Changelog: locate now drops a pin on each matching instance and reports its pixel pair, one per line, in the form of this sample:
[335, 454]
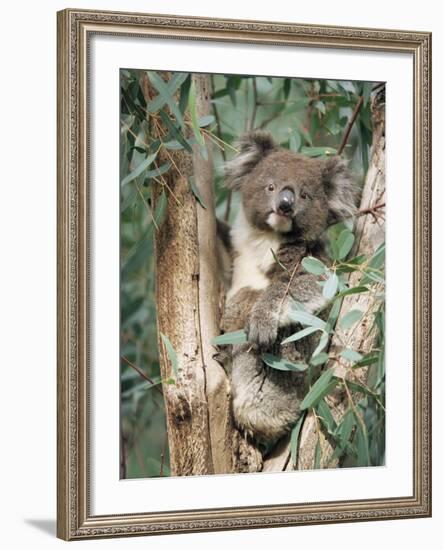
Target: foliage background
[308, 116]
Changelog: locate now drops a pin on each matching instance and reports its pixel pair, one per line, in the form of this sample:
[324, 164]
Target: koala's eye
[304, 195]
[271, 187]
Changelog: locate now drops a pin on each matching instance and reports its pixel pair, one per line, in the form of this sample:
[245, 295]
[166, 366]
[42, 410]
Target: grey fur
[266, 402]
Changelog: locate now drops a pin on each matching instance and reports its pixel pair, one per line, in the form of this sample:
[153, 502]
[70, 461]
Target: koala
[287, 202]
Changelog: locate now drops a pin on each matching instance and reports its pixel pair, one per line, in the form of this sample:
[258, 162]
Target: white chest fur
[253, 255]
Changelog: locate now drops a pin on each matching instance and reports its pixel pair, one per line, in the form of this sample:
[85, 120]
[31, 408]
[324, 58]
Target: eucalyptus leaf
[196, 191]
[171, 353]
[175, 132]
[351, 355]
[324, 338]
[317, 455]
[319, 151]
[236, 337]
[319, 359]
[279, 363]
[350, 318]
[313, 265]
[322, 387]
[300, 334]
[330, 286]
[206, 120]
[139, 170]
[306, 318]
[295, 437]
[166, 95]
[344, 243]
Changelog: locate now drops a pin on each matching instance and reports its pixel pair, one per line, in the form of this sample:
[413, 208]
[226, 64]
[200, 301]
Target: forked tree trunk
[201, 435]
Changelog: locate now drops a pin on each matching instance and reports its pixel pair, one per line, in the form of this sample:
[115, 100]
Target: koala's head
[288, 192]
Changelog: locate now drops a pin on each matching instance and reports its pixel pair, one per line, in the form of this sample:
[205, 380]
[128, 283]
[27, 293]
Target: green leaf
[236, 337]
[279, 363]
[167, 96]
[324, 412]
[324, 338]
[184, 94]
[318, 151]
[206, 120]
[129, 199]
[196, 191]
[294, 141]
[319, 359]
[286, 87]
[347, 86]
[359, 388]
[194, 118]
[322, 387]
[367, 89]
[320, 106]
[344, 243]
[306, 318]
[351, 355]
[158, 171]
[160, 209]
[175, 132]
[171, 353]
[138, 254]
[300, 334]
[140, 169]
[317, 456]
[313, 265]
[354, 290]
[294, 438]
[361, 441]
[330, 286]
[369, 359]
[333, 315]
[172, 85]
[231, 86]
[350, 318]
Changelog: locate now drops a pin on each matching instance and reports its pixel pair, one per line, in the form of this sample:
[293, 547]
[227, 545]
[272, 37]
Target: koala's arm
[271, 310]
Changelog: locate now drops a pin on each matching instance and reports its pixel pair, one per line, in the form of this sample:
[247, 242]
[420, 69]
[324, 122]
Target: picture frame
[77, 312]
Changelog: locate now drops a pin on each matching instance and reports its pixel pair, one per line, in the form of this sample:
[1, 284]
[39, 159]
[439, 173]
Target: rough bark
[179, 317]
[201, 435]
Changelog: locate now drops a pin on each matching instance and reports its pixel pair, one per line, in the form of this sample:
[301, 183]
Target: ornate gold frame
[75, 28]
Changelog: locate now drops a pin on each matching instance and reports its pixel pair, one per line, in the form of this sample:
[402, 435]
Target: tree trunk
[201, 435]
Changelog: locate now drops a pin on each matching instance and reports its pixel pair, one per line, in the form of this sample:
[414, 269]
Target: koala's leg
[265, 402]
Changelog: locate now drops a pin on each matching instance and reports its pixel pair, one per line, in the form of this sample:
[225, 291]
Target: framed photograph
[243, 274]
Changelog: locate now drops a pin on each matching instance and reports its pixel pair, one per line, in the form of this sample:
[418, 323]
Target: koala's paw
[261, 328]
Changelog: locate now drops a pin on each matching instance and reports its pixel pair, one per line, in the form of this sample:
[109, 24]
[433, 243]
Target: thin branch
[254, 109]
[350, 125]
[289, 285]
[146, 205]
[141, 373]
[370, 210]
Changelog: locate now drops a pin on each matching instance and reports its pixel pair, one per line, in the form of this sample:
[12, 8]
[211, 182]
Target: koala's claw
[261, 329]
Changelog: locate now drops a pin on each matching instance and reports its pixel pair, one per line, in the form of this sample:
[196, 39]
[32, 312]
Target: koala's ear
[340, 189]
[252, 147]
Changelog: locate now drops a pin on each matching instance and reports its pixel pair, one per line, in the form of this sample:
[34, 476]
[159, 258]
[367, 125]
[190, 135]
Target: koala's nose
[285, 201]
